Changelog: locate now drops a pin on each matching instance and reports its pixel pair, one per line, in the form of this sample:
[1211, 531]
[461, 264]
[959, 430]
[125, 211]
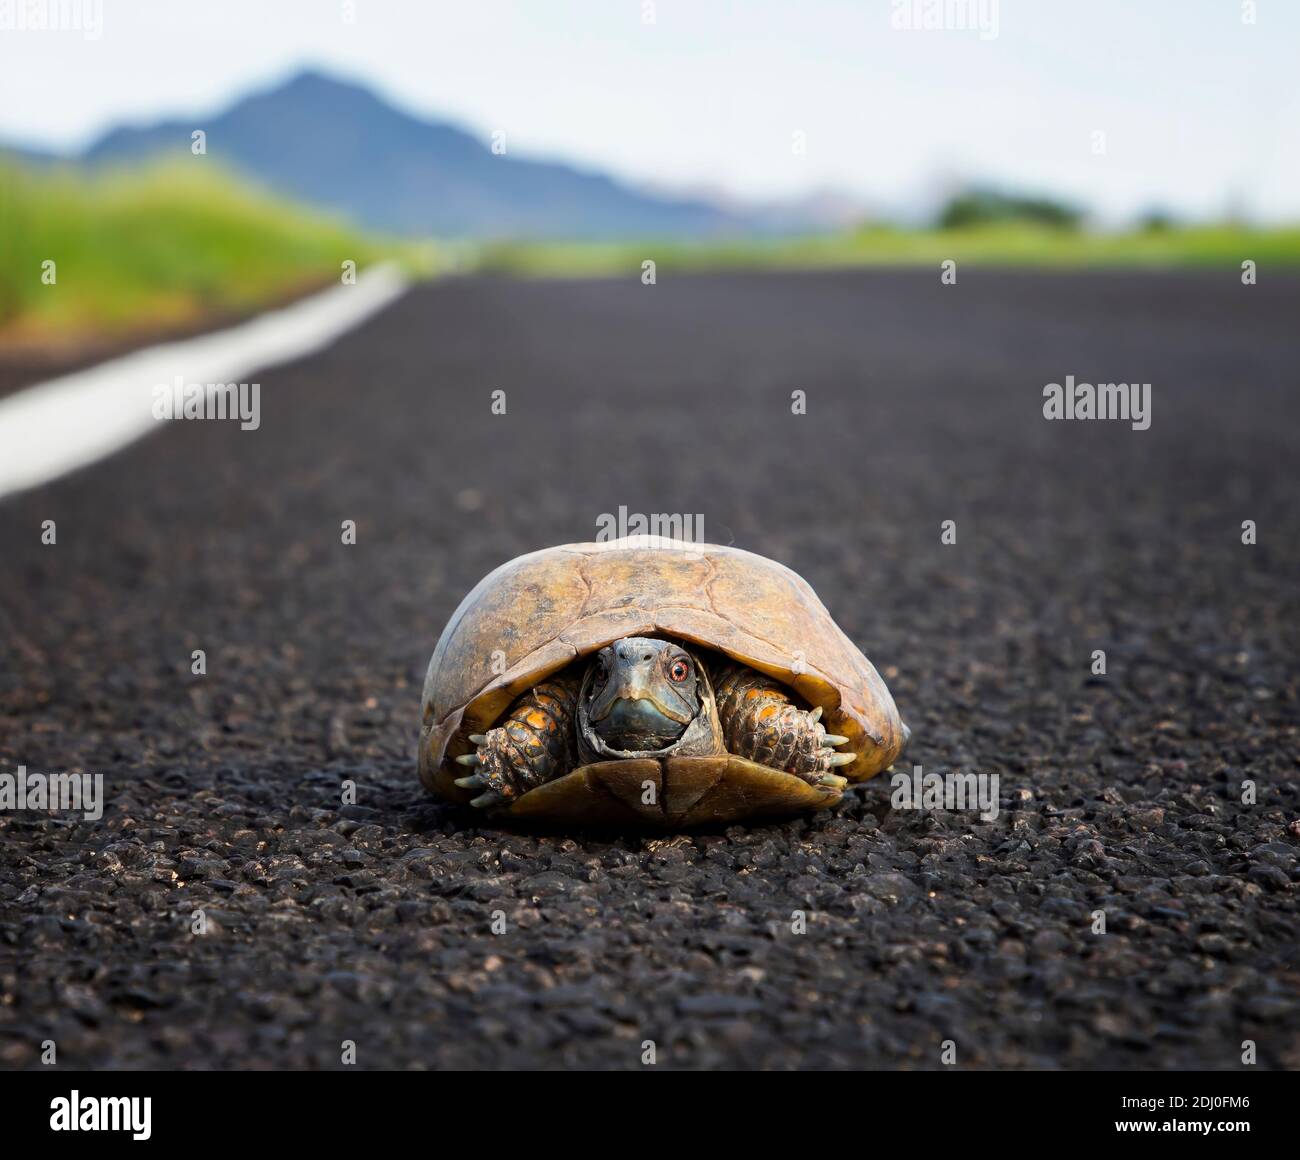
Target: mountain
[336, 145]
[823, 210]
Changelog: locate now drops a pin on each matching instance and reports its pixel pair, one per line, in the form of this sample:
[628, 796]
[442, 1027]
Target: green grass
[1216, 246]
[161, 247]
[181, 244]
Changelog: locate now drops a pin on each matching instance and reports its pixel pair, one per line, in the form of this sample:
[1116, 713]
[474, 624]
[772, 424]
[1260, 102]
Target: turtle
[651, 681]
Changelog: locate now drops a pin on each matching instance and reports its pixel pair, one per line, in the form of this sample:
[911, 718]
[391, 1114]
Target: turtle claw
[815, 715]
[476, 781]
[834, 739]
[833, 780]
[842, 759]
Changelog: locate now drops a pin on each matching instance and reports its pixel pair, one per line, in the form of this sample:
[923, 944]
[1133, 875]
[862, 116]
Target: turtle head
[641, 694]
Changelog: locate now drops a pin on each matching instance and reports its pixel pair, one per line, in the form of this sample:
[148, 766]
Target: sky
[1198, 110]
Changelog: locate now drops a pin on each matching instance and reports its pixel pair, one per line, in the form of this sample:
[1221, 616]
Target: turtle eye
[679, 670]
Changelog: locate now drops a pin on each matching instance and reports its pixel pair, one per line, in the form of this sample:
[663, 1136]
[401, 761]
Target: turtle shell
[540, 612]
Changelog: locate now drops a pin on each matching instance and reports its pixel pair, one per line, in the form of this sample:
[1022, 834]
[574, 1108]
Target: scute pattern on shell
[539, 612]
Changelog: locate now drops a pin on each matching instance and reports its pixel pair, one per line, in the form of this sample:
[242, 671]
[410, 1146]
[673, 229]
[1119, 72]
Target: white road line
[58, 426]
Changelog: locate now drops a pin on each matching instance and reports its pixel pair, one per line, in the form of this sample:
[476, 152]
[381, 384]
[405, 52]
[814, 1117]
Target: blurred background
[267, 142]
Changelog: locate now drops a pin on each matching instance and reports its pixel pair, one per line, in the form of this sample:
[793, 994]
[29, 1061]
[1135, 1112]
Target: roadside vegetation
[1017, 243]
[171, 247]
[978, 226]
[161, 248]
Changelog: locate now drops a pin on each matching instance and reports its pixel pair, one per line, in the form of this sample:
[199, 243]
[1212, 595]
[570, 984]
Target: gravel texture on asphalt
[372, 922]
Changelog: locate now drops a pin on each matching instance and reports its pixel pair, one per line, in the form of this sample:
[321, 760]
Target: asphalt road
[372, 922]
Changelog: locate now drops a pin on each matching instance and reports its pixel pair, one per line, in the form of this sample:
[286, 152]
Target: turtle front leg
[761, 722]
[532, 745]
